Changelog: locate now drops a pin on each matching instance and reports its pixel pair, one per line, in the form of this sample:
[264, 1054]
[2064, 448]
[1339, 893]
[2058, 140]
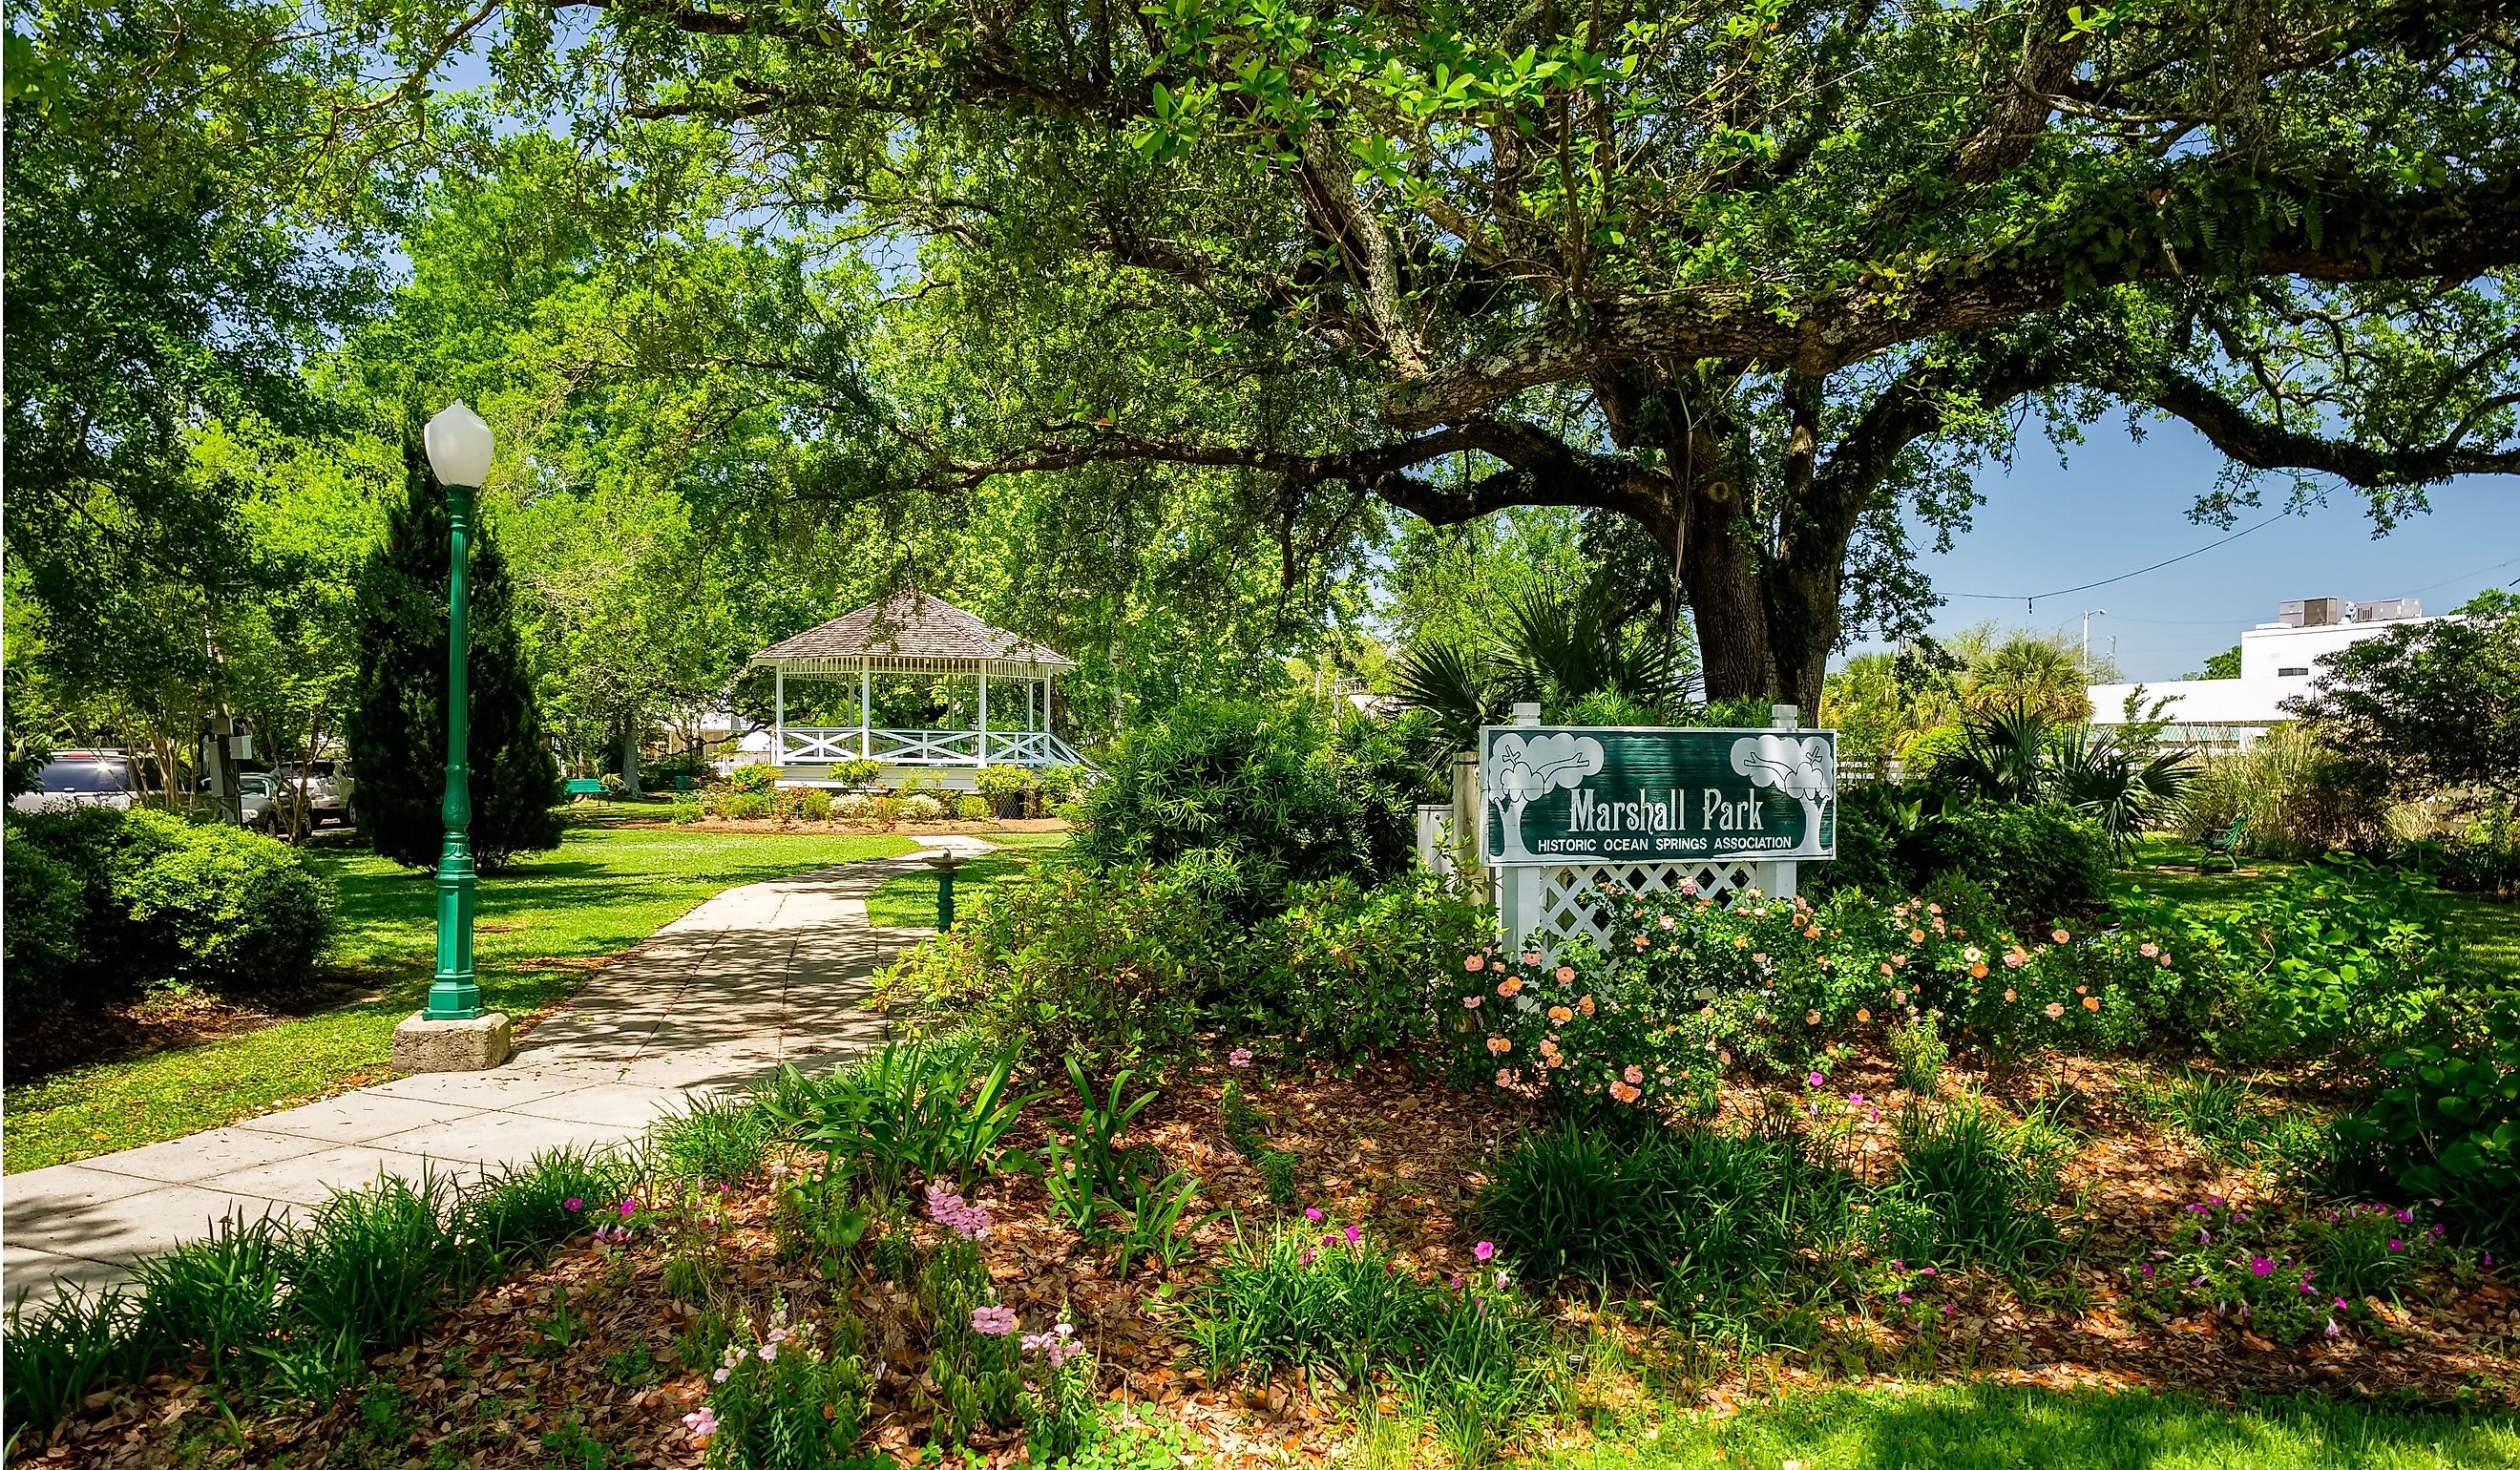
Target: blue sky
[2117, 505]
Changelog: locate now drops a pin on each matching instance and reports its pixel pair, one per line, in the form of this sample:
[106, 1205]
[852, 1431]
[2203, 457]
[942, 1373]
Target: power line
[2031, 599]
[2463, 576]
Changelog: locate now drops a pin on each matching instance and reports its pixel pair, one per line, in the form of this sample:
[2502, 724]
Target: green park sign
[1562, 794]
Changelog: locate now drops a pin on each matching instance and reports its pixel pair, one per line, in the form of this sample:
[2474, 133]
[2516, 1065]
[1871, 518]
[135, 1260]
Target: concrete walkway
[753, 979]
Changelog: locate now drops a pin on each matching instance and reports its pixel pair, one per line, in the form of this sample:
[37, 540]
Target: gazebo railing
[808, 746]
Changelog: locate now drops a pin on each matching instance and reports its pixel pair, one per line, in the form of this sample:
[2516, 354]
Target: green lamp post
[459, 452]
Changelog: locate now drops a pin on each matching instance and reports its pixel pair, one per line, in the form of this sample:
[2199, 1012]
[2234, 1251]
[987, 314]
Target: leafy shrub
[1061, 785]
[920, 806]
[747, 805]
[1005, 788]
[813, 804]
[969, 807]
[856, 773]
[2447, 1126]
[160, 901]
[1255, 798]
[2342, 957]
[1081, 961]
[1703, 1209]
[760, 777]
[2041, 862]
[1351, 968]
[685, 811]
[40, 945]
[227, 910]
[2482, 857]
[1690, 987]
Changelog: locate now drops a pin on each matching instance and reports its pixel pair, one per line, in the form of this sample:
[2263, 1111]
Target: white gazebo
[912, 633]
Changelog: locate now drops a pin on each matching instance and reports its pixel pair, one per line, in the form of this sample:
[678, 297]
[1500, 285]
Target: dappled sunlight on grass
[541, 925]
[1999, 1427]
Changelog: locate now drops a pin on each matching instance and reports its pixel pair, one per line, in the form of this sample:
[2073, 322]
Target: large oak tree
[1764, 278]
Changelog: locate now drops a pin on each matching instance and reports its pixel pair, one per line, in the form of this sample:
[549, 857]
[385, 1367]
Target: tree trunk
[630, 761]
[1724, 600]
[1802, 627]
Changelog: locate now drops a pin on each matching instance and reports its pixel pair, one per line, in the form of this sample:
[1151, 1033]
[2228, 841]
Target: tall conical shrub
[397, 724]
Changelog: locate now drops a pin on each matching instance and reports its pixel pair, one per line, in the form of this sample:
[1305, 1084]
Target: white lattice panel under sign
[1563, 904]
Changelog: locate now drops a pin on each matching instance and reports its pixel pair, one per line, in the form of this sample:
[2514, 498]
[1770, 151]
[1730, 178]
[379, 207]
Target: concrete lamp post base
[421, 1045]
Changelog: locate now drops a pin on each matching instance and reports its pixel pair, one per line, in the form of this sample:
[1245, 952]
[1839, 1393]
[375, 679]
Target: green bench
[2224, 844]
[585, 786]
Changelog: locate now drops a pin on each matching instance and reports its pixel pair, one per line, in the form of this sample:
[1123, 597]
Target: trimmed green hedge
[103, 903]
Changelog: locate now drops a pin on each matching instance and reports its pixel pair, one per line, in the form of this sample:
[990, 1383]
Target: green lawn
[1999, 1427]
[909, 903]
[606, 889]
[2488, 928]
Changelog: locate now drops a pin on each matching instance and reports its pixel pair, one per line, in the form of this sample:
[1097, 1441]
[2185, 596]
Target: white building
[2276, 662]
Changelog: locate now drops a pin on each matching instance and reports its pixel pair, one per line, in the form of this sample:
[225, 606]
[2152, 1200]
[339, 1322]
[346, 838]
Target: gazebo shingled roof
[912, 625]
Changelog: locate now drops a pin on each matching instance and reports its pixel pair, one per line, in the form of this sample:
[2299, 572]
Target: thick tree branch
[2253, 442]
[2346, 233]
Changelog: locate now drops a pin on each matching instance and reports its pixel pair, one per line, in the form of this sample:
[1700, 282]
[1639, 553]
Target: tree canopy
[1766, 280]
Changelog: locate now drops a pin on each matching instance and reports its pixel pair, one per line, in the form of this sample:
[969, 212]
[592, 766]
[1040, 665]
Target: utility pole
[2089, 614]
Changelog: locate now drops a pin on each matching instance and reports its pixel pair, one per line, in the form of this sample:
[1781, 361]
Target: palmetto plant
[1555, 650]
[2017, 755]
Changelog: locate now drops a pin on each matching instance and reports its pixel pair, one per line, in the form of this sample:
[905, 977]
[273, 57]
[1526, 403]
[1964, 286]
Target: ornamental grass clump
[1971, 1185]
[1706, 1210]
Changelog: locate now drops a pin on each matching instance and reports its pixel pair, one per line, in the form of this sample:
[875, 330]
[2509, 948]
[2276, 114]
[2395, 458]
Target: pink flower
[1240, 1057]
[1485, 1250]
[993, 1322]
[2015, 960]
[767, 1352]
[2260, 1265]
[574, 1203]
[1688, 889]
[1817, 1079]
[2149, 949]
[630, 1207]
[701, 1422]
[1471, 1002]
[1475, 963]
[1566, 974]
[1313, 1212]
[1634, 1073]
[1352, 1235]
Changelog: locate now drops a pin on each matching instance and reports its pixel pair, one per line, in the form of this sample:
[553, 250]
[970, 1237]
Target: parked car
[85, 778]
[326, 784]
[262, 805]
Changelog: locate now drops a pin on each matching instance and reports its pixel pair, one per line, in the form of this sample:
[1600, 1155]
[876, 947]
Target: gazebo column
[866, 712]
[982, 758]
[778, 715]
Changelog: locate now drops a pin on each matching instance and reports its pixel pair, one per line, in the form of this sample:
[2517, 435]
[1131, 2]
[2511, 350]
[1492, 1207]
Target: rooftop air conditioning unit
[2321, 613]
[2288, 613]
[2388, 609]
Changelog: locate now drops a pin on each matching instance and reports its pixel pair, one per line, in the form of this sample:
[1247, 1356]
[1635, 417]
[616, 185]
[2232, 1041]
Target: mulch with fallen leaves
[587, 1348]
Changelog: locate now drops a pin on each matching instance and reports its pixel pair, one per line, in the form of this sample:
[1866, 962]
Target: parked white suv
[328, 789]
